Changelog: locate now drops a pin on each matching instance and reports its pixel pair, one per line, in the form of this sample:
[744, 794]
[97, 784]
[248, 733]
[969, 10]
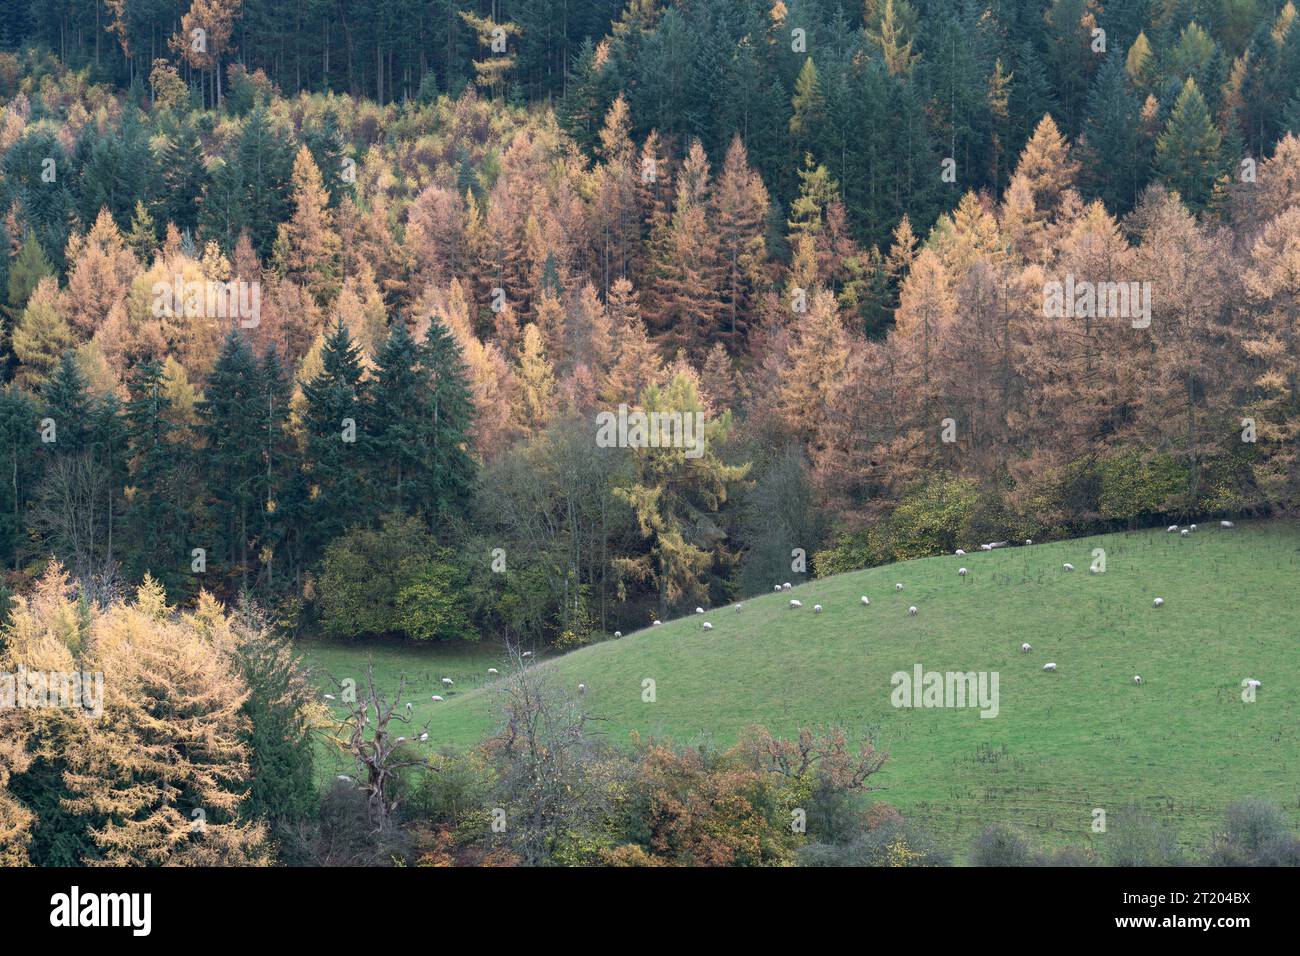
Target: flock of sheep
[796, 604]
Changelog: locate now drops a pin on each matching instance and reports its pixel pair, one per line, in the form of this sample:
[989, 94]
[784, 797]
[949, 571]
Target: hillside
[1181, 745]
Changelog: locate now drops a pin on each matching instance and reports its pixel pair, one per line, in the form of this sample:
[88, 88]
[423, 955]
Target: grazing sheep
[582, 688]
[998, 544]
[1137, 679]
[707, 626]
[738, 607]
[786, 586]
[526, 654]
[656, 623]
[329, 696]
[898, 587]
[959, 551]
[699, 610]
[1172, 527]
[912, 609]
[493, 670]
[817, 608]
[1226, 524]
[435, 697]
[777, 588]
[1159, 602]
[344, 777]
[1067, 566]
[447, 682]
[1192, 527]
[409, 705]
[1051, 666]
[1025, 648]
[986, 547]
[618, 634]
[423, 737]
[796, 604]
[962, 572]
[1184, 533]
[865, 600]
[1029, 541]
[1094, 570]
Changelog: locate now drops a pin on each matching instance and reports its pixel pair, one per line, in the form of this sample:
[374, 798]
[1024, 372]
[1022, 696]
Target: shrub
[1135, 839]
[1000, 845]
[1254, 834]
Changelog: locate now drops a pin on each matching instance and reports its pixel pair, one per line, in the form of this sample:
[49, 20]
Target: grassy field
[1181, 746]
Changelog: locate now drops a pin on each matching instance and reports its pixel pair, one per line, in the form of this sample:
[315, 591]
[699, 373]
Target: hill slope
[1182, 745]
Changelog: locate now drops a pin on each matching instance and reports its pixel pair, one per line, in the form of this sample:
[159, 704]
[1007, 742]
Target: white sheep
[1025, 648]
[962, 572]
[1159, 602]
[796, 603]
[777, 588]
[1226, 524]
[435, 697]
[898, 587]
[1137, 679]
[1067, 566]
[707, 626]
[656, 623]
[618, 634]
[526, 654]
[1029, 541]
[423, 737]
[582, 688]
[1184, 533]
[986, 547]
[699, 610]
[1192, 527]
[493, 671]
[1050, 666]
[447, 682]
[329, 696]
[959, 551]
[912, 609]
[786, 586]
[1172, 528]
[865, 600]
[817, 608]
[738, 607]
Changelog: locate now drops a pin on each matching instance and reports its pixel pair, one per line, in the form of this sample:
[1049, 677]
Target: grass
[1181, 746]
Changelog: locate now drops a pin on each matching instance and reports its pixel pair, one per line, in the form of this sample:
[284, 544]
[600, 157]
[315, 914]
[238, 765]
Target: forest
[309, 313]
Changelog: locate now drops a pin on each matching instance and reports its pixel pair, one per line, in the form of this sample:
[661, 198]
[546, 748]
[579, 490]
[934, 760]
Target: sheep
[986, 547]
[1025, 648]
[898, 587]
[738, 607]
[865, 600]
[526, 654]
[344, 777]
[1226, 524]
[492, 672]
[329, 696]
[409, 705]
[962, 572]
[998, 544]
[582, 688]
[1029, 541]
[1050, 666]
[1158, 602]
[707, 626]
[1184, 533]
[796, 604]
[656, 623]
[423, 737]
[447, 682]
[912, 610]
[786, 586]
[1067, 566]
[1192, 527]
[435, 697]
[817, 608]
[1137, 679]
[699, 610]
[959, 551]
[777, 588]
[618, 634]
[1172, 528]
